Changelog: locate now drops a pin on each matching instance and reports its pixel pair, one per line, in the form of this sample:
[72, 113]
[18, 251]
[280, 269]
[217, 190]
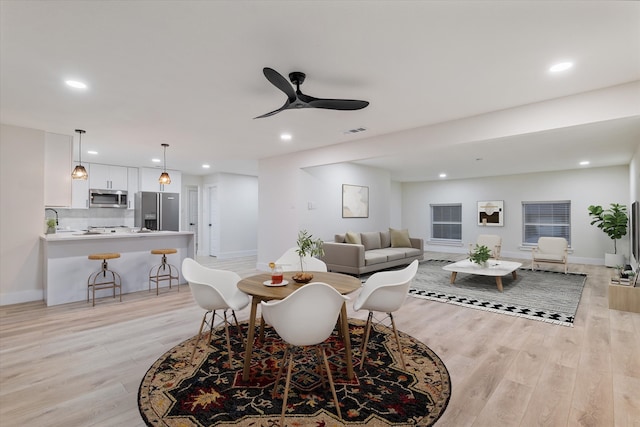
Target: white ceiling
[189, 73]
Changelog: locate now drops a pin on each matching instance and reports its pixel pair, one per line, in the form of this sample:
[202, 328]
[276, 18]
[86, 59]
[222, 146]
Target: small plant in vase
[51, 226]
[480, 255]
[307, 246]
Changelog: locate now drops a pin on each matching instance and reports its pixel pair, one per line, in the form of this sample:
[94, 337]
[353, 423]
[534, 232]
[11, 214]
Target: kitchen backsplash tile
[80, 219]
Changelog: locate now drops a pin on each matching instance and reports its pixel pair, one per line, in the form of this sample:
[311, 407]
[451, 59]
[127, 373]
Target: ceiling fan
[296, 99]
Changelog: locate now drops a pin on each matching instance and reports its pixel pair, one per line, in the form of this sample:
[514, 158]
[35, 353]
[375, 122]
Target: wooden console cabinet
[624, 298]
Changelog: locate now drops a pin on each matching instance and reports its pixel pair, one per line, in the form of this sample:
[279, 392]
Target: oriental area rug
[208, 393]
[540, 295]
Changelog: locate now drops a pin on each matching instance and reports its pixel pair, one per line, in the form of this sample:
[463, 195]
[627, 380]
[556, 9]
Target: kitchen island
[66, 266]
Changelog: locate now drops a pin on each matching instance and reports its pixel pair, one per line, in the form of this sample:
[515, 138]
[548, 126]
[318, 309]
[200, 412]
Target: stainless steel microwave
[108, 199]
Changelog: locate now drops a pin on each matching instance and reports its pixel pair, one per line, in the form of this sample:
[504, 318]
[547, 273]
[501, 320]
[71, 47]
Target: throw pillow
[353, 238]
[399, 238]
[385, 239]
[371, 240]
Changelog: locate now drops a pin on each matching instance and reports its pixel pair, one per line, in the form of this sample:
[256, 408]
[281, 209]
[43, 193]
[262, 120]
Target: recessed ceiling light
[561, 66]
[584, 163]
[92, 152]
[156, 160]
[206, 166]
[285, 137]
[443, 175]
[76, 84]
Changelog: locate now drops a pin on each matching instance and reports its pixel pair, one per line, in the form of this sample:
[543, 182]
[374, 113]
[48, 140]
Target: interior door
[214, 220]
[192, 214]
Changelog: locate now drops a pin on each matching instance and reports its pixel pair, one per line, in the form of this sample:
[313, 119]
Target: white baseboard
[9, 298]
[237, 254]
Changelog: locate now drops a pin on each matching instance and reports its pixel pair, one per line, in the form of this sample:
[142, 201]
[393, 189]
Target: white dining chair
[214, 290]
[306, 317]
[385, 292]
[290, 261]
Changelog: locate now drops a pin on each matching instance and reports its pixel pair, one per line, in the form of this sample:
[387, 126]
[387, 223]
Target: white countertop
[79, 235]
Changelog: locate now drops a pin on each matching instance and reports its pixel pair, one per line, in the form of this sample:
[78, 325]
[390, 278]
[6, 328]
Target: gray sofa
[376, 251]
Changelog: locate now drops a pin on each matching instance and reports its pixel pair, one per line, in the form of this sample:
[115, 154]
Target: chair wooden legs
[226, 331]
[195, 347]
[286, 390]
[395, 331]
[367, 333]
[290, 361]
[365, 341]
[331, 384]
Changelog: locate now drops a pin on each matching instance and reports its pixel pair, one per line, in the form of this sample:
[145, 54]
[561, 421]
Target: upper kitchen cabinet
[132, 187]
[80, 191]
[58, 151]
[149, 180]
[108, 177]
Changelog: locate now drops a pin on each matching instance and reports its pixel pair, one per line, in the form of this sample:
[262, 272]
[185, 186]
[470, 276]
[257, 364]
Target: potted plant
[480, 255]
[613, 222]
[307, 246]
[51, 226]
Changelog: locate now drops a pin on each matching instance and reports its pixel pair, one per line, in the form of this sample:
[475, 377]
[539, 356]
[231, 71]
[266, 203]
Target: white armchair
[492, 241]
[550, 250]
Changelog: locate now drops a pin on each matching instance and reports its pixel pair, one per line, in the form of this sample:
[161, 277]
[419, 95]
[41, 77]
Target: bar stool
[94, 283]
[163, 271]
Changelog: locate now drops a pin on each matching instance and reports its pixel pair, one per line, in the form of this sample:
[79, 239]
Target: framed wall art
[355, 201]
[491, 213]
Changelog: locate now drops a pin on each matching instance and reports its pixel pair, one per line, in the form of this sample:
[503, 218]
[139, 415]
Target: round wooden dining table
[255, 287]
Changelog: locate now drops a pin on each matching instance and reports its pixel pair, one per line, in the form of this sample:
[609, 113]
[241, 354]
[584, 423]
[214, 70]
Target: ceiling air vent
[356, 130]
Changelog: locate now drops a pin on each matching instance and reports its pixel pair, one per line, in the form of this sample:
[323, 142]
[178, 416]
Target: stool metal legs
[100, 280]
[164, 271]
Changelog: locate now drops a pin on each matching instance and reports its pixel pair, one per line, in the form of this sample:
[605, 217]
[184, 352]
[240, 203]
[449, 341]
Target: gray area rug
[541, 295]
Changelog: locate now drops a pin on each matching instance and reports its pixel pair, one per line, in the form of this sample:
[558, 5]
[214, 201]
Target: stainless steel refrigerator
[157, 211]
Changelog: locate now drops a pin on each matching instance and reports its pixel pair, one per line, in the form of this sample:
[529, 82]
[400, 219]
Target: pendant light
[79, 172]
[164, 176]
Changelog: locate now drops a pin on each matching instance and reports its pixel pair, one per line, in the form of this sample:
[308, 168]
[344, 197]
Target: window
[446, 222]
[549, 219]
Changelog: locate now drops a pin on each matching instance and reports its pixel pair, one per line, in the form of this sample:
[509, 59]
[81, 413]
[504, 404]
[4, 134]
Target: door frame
[206, 212]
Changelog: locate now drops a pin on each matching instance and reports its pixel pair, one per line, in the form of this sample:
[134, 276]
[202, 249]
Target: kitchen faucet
[54, 211]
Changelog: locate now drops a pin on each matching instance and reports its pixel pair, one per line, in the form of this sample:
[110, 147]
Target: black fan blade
[284, 107]
[338, 104]
[280, 82]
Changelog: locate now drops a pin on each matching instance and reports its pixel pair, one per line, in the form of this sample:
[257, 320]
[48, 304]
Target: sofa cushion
[411, 252]
[339, 238]
[385, 239]
[371, 240]
[392, 254]
[374, 257]
[399, 238]
[353, 238]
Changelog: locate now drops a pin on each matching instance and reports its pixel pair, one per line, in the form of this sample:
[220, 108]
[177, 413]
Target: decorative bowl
[302, 277]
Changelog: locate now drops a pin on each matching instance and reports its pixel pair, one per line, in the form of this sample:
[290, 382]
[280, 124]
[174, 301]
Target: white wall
[238, 214]
[21, 213]
[323, 186]
[583, 187]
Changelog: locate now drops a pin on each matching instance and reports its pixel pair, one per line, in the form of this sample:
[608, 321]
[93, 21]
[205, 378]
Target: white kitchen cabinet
[132, 187]
[80, 191]
[108, 177]
[149, 180]
[176, 182]
[57, 169]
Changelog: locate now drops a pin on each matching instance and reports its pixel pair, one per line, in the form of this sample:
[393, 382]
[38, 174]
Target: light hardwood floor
[77, 365]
